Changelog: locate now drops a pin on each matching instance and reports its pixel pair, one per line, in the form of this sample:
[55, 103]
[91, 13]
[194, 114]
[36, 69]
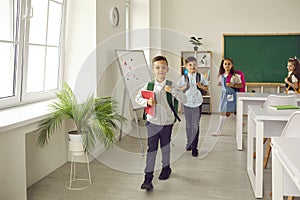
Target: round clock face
[114, 16]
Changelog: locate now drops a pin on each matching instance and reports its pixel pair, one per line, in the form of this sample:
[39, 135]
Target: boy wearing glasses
[159, 126]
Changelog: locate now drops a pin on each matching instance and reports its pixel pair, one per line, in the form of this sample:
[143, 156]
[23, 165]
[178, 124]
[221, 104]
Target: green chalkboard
[262, 58]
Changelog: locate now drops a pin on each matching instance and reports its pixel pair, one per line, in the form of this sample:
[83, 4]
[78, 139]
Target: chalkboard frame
[270, 54]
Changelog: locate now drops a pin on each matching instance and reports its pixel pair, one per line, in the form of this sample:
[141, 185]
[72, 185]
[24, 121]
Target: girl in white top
[292, 80]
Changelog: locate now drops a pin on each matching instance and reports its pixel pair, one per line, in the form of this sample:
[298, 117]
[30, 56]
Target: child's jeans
[192, 118]
[158, 133]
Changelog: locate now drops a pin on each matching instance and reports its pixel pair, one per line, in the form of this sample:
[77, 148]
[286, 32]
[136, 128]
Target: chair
[76, 149]
[276, 100]
[291, 130]
[292, 126]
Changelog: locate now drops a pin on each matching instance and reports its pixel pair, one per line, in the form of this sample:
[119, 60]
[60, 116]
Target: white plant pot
[75, 137]
[75, 143]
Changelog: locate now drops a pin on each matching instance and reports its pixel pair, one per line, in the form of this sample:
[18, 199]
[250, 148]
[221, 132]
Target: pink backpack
[243, 89]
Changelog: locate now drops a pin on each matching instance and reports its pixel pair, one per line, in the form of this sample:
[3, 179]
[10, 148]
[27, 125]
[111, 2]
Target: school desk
[243, 100]
[262, 123]
[285, 167]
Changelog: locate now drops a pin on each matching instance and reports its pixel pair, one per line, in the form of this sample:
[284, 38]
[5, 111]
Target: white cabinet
[204, 67]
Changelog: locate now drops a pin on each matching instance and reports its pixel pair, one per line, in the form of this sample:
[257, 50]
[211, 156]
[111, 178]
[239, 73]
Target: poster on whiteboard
[135, 72]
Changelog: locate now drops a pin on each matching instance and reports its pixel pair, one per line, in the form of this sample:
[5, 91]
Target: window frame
[21, 55]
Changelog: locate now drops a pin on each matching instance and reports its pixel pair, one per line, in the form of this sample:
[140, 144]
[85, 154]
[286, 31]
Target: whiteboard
[135, 72]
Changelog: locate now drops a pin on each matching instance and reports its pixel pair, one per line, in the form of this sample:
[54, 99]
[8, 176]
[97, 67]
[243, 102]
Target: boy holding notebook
[159, 126]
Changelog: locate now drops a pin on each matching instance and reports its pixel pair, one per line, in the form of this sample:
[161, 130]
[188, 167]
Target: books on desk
[285, 107]
[147, 94]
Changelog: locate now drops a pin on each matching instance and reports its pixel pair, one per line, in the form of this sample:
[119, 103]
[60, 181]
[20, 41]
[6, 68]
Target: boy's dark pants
[192, 118]
[162, 134]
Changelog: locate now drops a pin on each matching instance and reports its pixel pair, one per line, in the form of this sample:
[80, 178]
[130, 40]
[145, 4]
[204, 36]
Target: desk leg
[259, 158]
[255, 177]
[277, 177]
[239, 125]
[250, 136]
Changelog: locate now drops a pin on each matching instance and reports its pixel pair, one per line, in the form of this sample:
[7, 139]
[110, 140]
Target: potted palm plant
[196, 41]
[95, 119]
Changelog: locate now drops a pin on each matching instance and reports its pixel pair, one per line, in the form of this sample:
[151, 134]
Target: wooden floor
[220, 175]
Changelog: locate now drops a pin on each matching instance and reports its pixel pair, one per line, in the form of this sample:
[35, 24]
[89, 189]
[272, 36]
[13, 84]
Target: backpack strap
[186, 80]
[243, 89]
[174, 107]
[198, 77]
[150, 85]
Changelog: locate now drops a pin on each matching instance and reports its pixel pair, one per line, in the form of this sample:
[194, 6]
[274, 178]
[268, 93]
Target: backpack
[297, 91]
[243, 89]
[198, 79]
[173, 106]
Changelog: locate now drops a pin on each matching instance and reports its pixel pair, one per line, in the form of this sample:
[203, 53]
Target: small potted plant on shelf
[94, 119]
[196, 41]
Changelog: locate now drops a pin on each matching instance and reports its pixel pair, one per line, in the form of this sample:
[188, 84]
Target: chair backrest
[291, 128]
[277, 100]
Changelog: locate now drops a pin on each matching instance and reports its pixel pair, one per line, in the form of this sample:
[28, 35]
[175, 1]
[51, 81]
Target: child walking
[292, 80]
[191, 83]
[228, 95]
[159, 126]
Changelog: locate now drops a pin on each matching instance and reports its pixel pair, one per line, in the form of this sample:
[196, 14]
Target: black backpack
[198, 79]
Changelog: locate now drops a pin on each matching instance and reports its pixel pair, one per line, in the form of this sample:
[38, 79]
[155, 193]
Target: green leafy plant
[196, 41]
[94, 118]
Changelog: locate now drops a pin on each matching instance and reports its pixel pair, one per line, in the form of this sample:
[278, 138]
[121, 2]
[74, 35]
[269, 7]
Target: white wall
[42, 161]
[24, 163]
[155, 22]
[80, 43]
[211, 19]
[12, 173]
[109, 38]
[139, 26]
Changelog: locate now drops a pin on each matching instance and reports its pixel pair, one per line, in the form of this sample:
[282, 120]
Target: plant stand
[76, 150]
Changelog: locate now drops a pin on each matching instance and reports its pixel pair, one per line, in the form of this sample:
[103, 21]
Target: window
[31, 50]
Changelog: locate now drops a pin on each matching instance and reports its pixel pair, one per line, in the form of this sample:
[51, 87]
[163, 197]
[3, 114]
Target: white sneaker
[217, 133]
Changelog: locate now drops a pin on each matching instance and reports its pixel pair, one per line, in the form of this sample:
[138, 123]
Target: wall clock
[114, 16]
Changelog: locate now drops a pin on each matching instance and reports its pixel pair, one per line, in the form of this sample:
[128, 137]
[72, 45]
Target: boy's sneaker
[188, 148]
[195, 152]
[165, 173]
[147, 186]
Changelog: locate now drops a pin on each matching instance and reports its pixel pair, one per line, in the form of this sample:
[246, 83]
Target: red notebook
[147, 94]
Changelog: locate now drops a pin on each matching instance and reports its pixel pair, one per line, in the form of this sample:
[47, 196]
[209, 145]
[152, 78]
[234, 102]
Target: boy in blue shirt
[159, 126]
[191, 83]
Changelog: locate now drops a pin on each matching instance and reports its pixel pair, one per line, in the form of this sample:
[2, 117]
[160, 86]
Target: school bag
[173, 105]
[198, 79]
[297, 91]
[288, 87]
[243, 89]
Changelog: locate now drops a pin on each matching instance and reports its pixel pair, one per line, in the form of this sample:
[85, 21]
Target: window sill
[16, 117]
